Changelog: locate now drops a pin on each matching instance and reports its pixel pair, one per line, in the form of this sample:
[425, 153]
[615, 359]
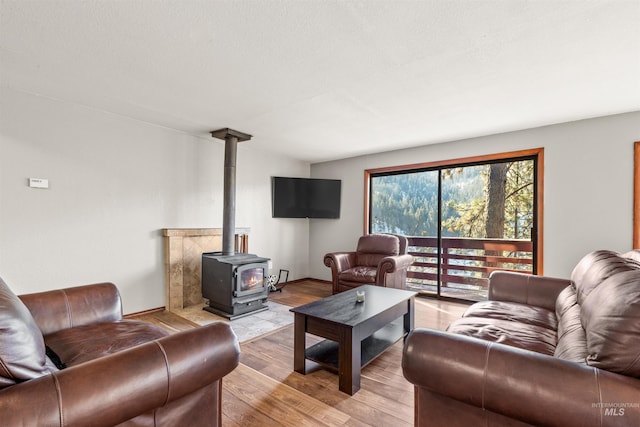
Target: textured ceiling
[327, 79]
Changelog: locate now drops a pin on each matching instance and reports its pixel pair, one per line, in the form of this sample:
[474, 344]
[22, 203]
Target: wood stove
[235, 284]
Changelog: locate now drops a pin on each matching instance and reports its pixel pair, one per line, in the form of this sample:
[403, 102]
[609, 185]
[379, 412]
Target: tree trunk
[496, 189]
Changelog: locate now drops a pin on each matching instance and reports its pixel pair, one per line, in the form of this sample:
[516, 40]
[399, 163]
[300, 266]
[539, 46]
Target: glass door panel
[487, 217]
[407, 204]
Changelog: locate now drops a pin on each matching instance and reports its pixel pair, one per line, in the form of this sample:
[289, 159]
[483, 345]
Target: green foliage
[519, 200]
[407, 203]
[468, 218]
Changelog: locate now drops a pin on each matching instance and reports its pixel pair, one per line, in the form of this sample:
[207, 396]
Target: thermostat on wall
[38, 183]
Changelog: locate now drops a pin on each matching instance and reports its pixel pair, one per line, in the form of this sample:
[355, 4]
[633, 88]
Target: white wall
[114, 184]
[588, 187]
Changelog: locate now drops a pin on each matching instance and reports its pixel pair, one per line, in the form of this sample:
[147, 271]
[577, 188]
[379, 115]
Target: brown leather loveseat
[540, 351]
[118, 371]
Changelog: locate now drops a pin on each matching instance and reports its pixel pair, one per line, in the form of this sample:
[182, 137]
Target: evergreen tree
[494, 200]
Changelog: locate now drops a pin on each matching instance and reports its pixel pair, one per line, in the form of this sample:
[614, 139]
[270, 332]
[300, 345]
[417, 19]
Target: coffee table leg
[349, 361]
[299, 345]
[409, 317]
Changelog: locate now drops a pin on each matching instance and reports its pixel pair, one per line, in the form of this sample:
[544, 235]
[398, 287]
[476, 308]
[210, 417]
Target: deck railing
[466, 263]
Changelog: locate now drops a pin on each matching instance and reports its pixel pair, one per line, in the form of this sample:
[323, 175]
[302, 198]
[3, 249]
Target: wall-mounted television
[305, 197]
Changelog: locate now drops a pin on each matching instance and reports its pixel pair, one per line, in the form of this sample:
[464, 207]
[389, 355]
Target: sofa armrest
[70, 307]
[520, 384]
[540, 291]
[118, 387]
[394, 263]
[340, 261]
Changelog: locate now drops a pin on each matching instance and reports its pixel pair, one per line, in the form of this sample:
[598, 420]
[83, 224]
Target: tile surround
[183, 248]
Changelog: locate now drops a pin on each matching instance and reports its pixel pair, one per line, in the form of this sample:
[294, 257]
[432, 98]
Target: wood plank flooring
[265, 391]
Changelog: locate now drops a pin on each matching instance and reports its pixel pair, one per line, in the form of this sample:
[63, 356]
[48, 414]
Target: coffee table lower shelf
[325, 353]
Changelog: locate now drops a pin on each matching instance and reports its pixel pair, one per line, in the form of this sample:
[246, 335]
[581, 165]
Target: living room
[91, 102]
[117, 181]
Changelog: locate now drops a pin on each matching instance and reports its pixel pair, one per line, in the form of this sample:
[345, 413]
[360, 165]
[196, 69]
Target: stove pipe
[231, 139]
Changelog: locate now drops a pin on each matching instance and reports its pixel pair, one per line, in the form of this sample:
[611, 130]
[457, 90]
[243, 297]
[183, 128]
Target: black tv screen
[305, 197]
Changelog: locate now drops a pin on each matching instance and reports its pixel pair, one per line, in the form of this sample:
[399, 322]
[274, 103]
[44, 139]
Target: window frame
[636, 195]
[488, 158]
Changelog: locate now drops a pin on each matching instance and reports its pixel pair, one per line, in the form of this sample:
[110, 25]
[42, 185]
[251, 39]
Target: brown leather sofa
[379, 259]
[541, 351]
[118, 371]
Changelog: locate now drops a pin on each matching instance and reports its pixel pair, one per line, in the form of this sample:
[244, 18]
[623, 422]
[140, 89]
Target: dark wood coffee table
[356, 333]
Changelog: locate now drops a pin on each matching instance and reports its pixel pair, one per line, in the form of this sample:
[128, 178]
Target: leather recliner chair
[118, 371]
[379, 259]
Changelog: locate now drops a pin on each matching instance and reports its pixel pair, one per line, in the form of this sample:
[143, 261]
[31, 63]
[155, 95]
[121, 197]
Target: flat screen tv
[305, 197]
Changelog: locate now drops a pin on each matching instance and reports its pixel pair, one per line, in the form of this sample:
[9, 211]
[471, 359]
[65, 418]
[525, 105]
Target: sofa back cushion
[596, 267]
[634, 255]
[611, 319]
[22, 349]
[572, 340]
[373, 247]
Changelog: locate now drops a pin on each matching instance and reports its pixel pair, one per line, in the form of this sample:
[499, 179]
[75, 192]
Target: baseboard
[306, 279]
[140, 313]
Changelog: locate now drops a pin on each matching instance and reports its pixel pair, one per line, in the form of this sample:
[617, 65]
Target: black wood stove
[234, 283]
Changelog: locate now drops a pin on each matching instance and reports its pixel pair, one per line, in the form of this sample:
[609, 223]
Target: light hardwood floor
[265, 391]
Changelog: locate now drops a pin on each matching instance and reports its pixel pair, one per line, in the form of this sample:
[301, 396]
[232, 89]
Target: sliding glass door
[463, 221]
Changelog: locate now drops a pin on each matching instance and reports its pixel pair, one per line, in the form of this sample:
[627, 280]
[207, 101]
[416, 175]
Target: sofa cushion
[572, 341]
[633, 254]
[359, 274]
[516, 334]
[514, 312]
[88, 342]
[596, 267]
[611, 319]
[567, 298]
[22, 350]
